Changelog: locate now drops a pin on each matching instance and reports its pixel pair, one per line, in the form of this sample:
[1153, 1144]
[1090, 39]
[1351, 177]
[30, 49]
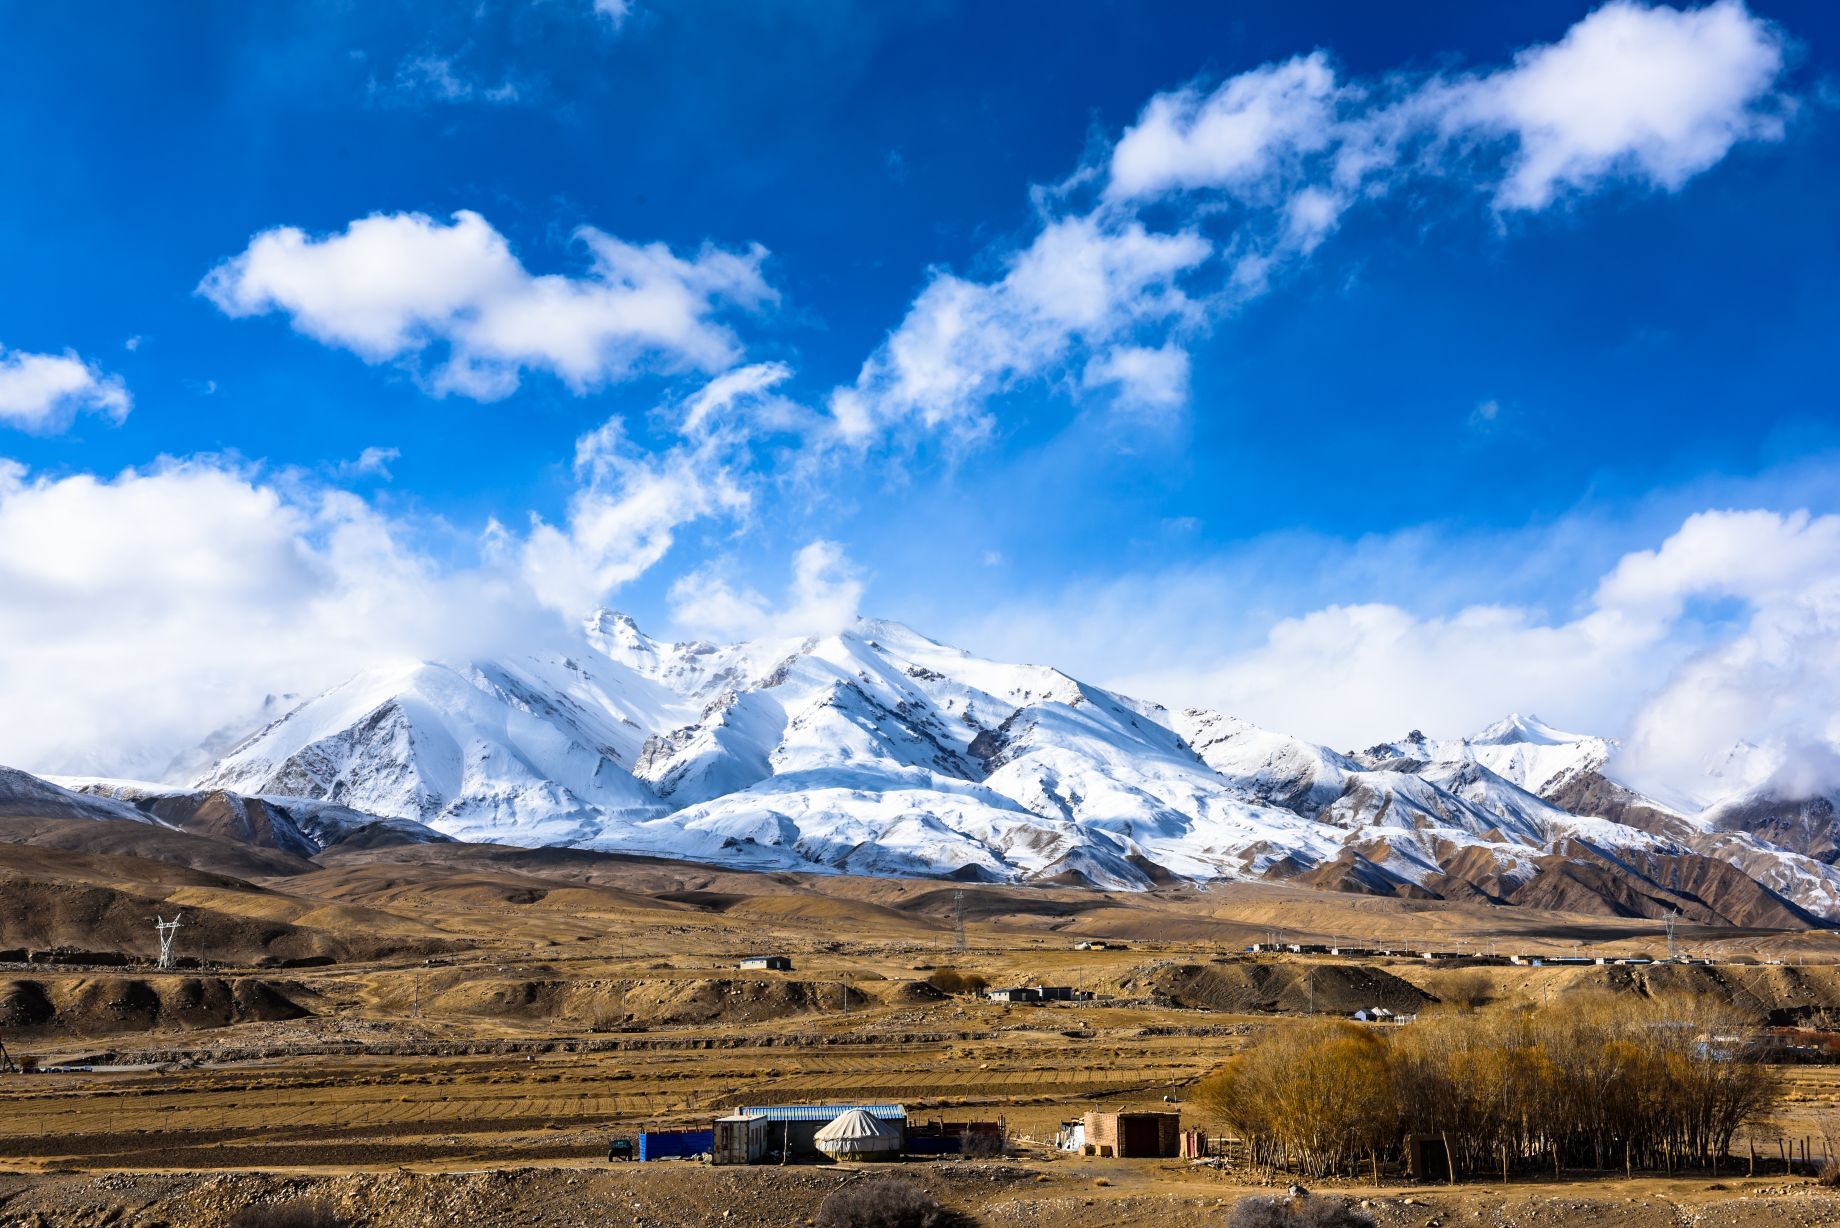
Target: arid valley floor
[451, 1034]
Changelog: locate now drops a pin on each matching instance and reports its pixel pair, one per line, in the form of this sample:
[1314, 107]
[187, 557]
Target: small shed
[859, 1135]
[1427, 1157]
[1132, 1135]
[739, 1139]
[767, 963]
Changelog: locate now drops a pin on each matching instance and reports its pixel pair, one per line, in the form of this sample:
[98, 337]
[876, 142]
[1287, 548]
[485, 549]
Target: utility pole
[166, 930]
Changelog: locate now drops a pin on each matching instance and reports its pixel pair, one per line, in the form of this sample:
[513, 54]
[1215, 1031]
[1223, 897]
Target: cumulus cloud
[824, 596]
[1654, 94]
[1727, 632]
[1260, 170]
[43, 392]
[1767, 689]
[144, 610]
[397, 286]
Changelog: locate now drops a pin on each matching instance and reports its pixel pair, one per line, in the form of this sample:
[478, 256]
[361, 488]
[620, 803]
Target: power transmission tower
[958, 920]
[166, 931]
[1671, 920]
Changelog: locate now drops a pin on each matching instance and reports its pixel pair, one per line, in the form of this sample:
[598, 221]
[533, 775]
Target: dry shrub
[1829, 1174]
[1260, 1211]
[1467, 990]
[1602, 1082]
[883, 1202]
[300, 1213]
[981, 1146]
[952, 981]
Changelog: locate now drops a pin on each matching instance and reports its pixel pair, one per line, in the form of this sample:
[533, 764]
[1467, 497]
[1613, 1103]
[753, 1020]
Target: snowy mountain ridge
[876, 750]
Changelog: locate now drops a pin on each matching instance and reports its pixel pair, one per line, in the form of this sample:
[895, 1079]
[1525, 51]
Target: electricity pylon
[166, 931]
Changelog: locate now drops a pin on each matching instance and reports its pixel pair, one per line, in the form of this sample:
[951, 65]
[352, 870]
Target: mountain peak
[1515, 729]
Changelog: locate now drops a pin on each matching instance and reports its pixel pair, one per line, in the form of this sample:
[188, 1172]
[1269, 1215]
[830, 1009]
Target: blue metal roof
[823, 1112]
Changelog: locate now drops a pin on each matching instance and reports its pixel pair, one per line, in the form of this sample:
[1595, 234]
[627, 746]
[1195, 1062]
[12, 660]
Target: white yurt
[859, 1135]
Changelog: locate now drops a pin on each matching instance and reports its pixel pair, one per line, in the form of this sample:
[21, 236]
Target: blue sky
[1530, 336]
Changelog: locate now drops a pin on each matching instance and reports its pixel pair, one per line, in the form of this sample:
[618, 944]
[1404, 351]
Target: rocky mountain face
[879, 751]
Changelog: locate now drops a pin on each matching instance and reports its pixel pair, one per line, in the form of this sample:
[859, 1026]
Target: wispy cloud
[824, 596]
[431, 78]
[373, 462]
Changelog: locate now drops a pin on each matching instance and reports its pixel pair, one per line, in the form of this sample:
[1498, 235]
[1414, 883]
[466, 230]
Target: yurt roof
[855, 1124]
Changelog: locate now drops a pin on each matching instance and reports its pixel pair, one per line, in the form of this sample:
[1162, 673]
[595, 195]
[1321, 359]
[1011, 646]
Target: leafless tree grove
[1598, 1082]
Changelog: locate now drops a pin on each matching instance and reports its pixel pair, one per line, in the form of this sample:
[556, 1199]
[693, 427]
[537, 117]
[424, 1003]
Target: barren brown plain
[452, 1034]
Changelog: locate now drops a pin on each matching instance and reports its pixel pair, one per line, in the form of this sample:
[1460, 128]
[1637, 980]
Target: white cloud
[629, 506]
[626, 514]
[613, 13]
[436, 78]
[1143, 378]
[824, 596]
[1082, 282]
[42, 392]
[1655, 94]
[394, 286]
[372, 462]
[1773, 681]
[147, 609]
[745, 388]
[1277, 155]
[1728, 630]
[1241, 136]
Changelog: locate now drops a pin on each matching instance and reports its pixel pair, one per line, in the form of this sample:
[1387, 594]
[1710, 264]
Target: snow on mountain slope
[1274, 767]
[535, 753]
[879, 738]
[1534, 755]
[877, 750]
[1523, 750]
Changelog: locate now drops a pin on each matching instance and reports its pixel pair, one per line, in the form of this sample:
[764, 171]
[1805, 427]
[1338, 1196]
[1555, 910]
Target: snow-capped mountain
[877, 750]
[538, 751]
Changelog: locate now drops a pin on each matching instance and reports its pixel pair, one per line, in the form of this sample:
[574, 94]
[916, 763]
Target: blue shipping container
[675, 1144]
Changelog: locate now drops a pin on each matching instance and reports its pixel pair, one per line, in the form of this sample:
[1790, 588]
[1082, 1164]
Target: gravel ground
[1001, 1195]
